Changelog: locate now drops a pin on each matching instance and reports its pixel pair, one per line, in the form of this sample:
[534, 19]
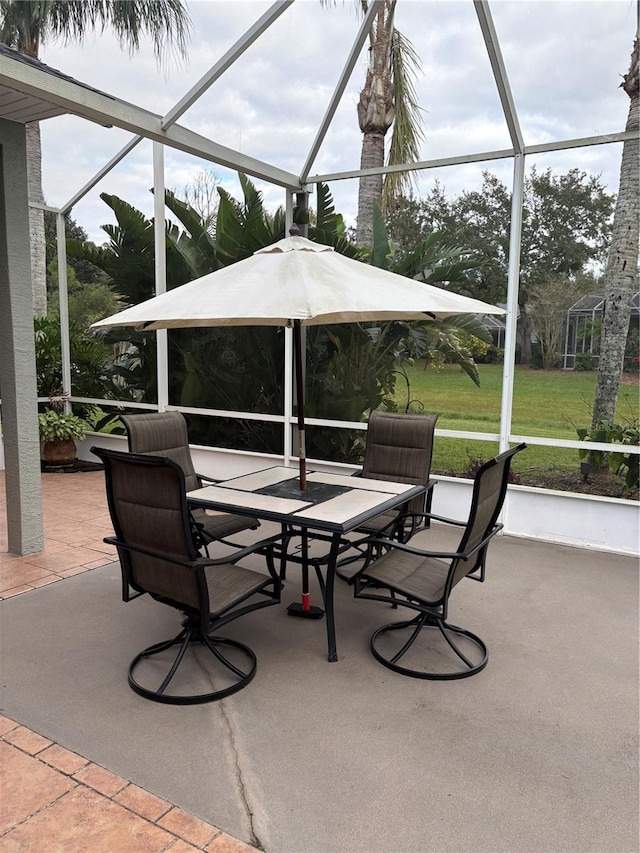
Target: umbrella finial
[294, 231]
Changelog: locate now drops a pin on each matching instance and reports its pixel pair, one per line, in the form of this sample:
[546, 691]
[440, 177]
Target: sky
[564, 63]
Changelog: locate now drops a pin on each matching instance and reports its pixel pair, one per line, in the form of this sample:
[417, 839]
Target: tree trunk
[36, 219]
[375, 117]
[620, 279]
[370, 187]
[526, 329]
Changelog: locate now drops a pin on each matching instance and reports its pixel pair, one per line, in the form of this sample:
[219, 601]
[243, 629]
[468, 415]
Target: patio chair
[158, 555]
[399, 447]
[165, 434]
[423, 580]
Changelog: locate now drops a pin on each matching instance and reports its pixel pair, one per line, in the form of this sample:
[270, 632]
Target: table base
[296, 609]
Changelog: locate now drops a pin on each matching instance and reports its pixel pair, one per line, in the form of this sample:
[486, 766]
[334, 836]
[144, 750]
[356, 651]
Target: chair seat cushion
[414, 575]
[223, 524]
[227, 583]
[380, 523]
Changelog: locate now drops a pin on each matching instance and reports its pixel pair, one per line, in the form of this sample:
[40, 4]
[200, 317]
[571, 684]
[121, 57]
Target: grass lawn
[547, 404]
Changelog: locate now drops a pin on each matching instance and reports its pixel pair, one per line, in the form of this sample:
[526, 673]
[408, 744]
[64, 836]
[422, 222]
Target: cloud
[563, 62]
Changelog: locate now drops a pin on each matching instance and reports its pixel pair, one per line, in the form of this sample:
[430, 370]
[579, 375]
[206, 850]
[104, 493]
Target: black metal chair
[159, 556]
[166, 434]
[399, 447]
[423, 581]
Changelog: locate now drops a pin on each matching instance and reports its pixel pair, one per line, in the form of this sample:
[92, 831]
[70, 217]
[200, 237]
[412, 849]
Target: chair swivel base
[425, 621]
[186, 637]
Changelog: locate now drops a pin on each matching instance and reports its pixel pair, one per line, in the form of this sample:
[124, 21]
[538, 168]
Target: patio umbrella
[295, 283]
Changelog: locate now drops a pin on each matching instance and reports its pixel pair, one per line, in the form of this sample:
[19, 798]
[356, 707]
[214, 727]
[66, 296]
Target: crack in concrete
[242, 789]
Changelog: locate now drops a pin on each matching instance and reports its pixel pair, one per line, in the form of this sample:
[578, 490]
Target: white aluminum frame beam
[479, 157]
[513, 283]
[499, 73]
[251, 35]
[112, 112]
[100, 174]
[365, 29]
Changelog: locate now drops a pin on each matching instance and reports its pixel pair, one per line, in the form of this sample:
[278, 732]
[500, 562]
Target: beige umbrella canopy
[296, 282]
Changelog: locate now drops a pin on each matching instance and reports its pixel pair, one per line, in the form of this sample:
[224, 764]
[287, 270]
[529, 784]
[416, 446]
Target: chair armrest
[262, 546]
[431, 515]
[391, 544]
[205, 481]
[150, 552]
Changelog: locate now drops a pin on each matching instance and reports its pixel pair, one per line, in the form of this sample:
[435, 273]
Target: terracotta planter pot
[59, 452]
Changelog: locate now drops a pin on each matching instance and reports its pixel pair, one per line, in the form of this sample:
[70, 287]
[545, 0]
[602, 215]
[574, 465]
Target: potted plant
[59, 431]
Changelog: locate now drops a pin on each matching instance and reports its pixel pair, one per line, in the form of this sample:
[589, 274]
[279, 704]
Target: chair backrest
[489, 490]
[399, 447]
[148, 506]
[162, 434]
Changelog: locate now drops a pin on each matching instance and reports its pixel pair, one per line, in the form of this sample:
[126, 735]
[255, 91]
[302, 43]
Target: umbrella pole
[302, 453]
[304, 609]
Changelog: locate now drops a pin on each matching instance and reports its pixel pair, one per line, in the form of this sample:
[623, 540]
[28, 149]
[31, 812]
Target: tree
[91, 371]
[387, 99]
[620, 278]
[549, 301]
[434, 262]
[565, 230]
[27, 24]
[73, 231]
[202, 196]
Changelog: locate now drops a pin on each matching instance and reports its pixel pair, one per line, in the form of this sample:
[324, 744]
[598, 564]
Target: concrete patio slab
[538, 753]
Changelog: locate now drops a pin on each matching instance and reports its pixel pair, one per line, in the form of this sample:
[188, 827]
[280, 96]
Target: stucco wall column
[17, 351]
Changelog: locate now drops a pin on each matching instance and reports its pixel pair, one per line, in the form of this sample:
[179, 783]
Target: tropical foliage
[350, 369]
[60, 426]
[91, 371]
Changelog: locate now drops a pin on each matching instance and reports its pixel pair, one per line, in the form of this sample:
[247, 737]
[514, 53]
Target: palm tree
[26, 24]
[620, 278]
[388, 99]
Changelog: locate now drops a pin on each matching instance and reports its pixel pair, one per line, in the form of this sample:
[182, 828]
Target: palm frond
[407, 131]
[196, 245]
[329, 227]
[26, 23]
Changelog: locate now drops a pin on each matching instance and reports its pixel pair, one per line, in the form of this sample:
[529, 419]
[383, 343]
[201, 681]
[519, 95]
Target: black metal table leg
[328, 599]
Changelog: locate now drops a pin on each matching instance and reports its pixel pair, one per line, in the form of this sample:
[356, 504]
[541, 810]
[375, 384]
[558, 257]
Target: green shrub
[494, 355]
[626, 465]
[584, 361]
[535, 361]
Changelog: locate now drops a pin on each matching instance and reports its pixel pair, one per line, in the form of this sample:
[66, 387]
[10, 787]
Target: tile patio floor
[51, 799]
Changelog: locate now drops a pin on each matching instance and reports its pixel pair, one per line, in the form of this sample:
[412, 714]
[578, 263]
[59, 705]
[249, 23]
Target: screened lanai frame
[580, 327]
[70, 96]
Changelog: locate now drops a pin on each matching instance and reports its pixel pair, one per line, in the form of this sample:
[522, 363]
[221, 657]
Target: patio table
[332, 506]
